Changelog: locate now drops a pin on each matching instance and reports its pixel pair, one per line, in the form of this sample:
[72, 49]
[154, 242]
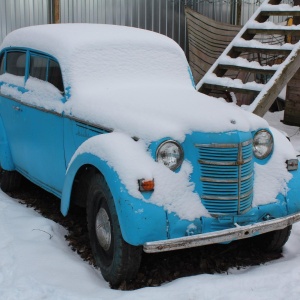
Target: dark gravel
[155, 269]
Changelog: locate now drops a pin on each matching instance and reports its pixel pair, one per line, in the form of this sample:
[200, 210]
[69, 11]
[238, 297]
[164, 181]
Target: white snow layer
[107, 54]
[171, 188]
[173, 191]
[271, 178]
[125, 78]
[36, 92]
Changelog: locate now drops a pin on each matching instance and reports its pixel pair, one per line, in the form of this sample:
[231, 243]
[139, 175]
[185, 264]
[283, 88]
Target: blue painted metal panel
[139, 221]
[292, 198]
[6, 161]
[213, 181]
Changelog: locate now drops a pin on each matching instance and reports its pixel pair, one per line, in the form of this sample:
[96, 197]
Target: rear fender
[292, 197]
[5, 154]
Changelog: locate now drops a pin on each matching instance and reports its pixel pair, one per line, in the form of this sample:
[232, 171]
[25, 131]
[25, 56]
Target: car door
[42, 123]
[36, 128]
[12, 85]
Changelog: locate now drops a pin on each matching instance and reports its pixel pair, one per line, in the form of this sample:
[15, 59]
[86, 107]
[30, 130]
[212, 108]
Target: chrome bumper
[227, 235]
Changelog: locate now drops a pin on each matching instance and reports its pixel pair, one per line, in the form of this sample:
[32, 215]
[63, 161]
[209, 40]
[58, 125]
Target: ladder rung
[280, 9]
[261, 50]
[236, 89]
[270, 31]
[246, 69]
[291, 13]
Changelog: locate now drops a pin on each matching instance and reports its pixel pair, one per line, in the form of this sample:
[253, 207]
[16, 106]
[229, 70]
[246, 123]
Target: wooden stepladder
[233, 58]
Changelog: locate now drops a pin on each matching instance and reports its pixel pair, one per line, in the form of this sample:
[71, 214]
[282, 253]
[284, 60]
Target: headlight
[262, 144]
[170, 154]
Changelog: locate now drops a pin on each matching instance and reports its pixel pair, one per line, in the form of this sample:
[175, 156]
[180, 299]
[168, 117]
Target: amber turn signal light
[146, 185]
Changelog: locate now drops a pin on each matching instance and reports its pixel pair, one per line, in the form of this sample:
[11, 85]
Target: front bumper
[227, 235]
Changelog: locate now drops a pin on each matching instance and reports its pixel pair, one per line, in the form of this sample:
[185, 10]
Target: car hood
[152, 113]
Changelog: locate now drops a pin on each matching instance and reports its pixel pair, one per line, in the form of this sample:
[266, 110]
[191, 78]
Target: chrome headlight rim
[180, 151]
[269, 146]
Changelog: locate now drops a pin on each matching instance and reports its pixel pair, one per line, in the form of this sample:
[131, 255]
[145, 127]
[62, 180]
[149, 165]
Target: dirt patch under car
[155, 269]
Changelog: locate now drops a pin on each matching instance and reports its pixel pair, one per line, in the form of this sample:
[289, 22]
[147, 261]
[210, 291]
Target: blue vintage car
[108, 118]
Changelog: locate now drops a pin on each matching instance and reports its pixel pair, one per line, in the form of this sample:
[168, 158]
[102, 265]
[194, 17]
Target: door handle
[17, 108]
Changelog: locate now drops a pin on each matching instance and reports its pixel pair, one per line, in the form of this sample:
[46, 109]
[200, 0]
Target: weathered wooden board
[292, 103]
[207, 40]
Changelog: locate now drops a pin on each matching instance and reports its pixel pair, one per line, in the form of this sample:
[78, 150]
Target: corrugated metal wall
[163, 16]
[20, 13]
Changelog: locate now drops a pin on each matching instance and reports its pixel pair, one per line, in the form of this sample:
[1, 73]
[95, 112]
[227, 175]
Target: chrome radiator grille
[226, 176]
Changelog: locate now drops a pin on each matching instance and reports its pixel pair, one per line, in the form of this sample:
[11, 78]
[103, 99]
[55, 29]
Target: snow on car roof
[89, 51]
[71, 36]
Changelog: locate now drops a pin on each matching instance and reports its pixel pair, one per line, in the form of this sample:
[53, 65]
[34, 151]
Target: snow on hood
[153, 113]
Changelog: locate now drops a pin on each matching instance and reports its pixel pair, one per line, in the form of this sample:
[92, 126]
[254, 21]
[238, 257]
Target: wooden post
[239, 12]
[55, 11]
[296, 19]
[292, 101]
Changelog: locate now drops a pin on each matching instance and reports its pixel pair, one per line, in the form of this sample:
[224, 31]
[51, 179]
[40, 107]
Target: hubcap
[103, 229]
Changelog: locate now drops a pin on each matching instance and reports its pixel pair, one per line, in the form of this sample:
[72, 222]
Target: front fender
[139, 221]
[292, 197]
[5, 154]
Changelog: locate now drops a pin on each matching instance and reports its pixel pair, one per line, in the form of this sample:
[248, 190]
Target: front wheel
[272, 241]
[118, 261]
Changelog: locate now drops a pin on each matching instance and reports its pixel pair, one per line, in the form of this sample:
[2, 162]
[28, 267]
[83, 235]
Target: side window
[2, 63]
[54, 75]
[15, 63]
[38, 67]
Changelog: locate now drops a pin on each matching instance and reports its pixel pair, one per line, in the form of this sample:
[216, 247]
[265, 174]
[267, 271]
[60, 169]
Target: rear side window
[54, 75]
[15, 63]
[46, 69]
[38, 67]
[2, 63]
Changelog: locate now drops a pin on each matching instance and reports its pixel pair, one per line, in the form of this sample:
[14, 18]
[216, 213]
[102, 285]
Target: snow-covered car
[107, 117]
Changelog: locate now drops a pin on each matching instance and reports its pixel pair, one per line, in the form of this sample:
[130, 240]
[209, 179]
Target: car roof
[67, 42]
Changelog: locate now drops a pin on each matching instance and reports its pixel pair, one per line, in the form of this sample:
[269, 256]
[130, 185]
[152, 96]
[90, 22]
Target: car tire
[10, 181]
[117, 260]
[273, 241]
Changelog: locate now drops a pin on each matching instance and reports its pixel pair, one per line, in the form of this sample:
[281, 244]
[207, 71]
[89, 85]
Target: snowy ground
[36, 263]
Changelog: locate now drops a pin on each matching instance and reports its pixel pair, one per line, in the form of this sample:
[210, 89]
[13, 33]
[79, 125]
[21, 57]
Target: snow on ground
[36, 263]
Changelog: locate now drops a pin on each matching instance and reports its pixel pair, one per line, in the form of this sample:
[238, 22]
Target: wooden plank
[292, 103]
[219, 35]
[287, 73]
[274, 2]
[289, 13]
[199, 19]
[291, 116]
[271, 31]
[207, 41]
[277, 51]
[247, 69]
[228, 88]
[200, 43]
